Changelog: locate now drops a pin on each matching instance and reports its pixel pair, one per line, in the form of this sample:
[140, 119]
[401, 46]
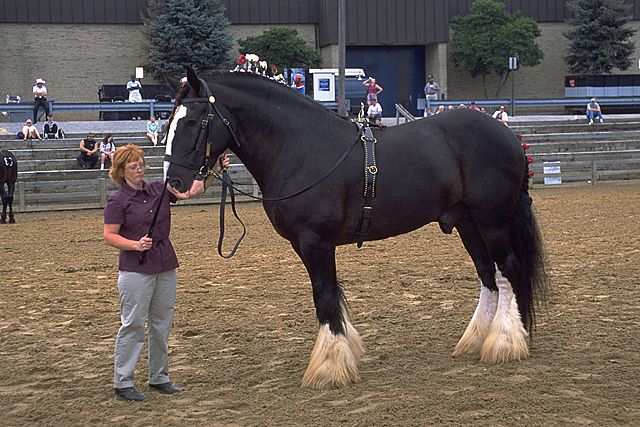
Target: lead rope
[143, 255]
[227, 183]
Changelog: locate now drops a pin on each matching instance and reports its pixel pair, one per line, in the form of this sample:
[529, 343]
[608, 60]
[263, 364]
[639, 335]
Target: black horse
[8, 176]
[460, 168]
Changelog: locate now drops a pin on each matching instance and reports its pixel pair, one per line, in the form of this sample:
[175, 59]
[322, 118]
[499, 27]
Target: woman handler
[147, 289]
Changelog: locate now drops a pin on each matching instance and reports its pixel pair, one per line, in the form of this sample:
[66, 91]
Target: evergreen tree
[283, 47]
[485, 38]
[187, 32]
[599, 37]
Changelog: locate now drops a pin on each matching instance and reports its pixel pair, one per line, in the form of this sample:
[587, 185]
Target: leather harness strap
[370, 173]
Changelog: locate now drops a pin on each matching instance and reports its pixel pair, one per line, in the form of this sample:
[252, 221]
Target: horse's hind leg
[5, 201]
[11, 186]
[338, 349]
[507, 337]
[478, 328]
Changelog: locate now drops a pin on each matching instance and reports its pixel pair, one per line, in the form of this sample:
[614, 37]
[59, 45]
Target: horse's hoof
[3, 221]
[12, 221]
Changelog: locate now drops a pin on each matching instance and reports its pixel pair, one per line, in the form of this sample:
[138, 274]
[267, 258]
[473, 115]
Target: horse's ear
[193, 79]
[172, 83]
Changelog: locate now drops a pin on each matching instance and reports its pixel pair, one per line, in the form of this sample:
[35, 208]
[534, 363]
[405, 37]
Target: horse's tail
[526, 241]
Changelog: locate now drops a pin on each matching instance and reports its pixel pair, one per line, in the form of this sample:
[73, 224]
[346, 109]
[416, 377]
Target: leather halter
[205, 135]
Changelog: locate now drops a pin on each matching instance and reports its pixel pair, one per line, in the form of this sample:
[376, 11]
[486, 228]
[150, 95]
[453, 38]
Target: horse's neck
[274, 141]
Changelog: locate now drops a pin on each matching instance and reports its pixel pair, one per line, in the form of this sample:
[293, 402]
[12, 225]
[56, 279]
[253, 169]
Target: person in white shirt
[593, 111]
[374, 112]
[29, 131]
[134, 86]
[39, 99]
[501, 116]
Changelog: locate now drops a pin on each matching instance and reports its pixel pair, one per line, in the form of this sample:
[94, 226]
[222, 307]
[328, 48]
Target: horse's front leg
[338, 349]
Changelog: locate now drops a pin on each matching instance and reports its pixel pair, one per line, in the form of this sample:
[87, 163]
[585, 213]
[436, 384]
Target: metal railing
[401, 111]
[150, 105]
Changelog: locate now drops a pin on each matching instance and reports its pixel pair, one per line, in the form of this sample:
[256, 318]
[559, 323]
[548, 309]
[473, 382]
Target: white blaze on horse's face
[181, 113]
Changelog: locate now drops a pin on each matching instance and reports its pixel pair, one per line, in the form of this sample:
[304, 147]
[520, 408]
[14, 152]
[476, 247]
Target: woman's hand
[144, 244]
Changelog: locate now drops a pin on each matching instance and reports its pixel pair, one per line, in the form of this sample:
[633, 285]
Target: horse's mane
[255, 84]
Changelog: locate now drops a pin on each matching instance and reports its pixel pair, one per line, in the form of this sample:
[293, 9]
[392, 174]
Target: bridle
[205, 134]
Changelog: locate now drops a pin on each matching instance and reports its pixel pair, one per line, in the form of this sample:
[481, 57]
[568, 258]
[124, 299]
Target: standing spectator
[134, 86]
[373, 89]
[374, 112]
[153, 128]
[298, 83]
[501, 116]
[51, 128]
[593, 111]
[39, 99]
[431, 89]
[88, 152]
[107, 149]
[147, 290]
[29, 131]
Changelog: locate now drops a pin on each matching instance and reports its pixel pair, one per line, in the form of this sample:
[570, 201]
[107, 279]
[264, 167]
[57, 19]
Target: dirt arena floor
[244, 328]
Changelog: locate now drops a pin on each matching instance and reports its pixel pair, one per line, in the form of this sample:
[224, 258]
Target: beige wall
[76, 59]
[543, 81]
[73, 59]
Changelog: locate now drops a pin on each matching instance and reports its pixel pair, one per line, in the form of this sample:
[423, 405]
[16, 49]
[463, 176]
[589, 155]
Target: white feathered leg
[334, 359]
[507, 338]
[478, 328]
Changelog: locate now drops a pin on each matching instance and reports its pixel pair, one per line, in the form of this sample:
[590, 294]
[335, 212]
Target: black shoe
[166, 388]
[128, 393]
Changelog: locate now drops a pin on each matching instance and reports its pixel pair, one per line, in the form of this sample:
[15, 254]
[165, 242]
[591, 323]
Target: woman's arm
[378, 88]
[111, 234]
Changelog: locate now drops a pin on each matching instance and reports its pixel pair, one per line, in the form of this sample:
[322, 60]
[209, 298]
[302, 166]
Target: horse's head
[196, 136]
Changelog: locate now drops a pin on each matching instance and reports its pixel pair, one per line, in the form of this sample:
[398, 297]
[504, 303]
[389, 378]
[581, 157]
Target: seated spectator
[440, 109]
[474, 107]
[29, 131]
[462, 106]
[428, 112]
[51, 129]
[374, 113]
[153, 128]
[107, 149]
[593, 111]
[501, 116]
[88, 152]
[163, 132]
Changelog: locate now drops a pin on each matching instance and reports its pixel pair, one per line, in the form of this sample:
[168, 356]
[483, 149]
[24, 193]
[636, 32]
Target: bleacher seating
[49, 177]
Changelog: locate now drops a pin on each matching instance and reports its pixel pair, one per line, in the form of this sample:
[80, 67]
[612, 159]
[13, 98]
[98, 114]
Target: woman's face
[134, 172]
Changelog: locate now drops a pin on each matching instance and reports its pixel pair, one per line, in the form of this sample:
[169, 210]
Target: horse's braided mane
[232, 79]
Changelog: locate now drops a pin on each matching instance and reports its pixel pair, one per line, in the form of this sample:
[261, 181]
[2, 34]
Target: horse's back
[429, 165]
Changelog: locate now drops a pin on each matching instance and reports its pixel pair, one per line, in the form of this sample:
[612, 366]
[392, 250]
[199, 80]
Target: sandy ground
[244, 328]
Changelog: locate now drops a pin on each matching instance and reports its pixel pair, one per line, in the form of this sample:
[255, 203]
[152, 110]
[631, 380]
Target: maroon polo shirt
[133, 210]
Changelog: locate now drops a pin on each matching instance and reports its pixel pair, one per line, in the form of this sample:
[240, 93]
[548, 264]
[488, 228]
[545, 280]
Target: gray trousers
[144, 298]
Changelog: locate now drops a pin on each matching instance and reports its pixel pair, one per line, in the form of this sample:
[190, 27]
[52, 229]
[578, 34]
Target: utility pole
[513, 66]
[341, 56]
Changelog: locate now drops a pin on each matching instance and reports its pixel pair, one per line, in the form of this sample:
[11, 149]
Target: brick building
[78, 45]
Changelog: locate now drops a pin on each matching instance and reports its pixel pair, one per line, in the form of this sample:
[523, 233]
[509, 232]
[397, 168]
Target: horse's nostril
[175, 182]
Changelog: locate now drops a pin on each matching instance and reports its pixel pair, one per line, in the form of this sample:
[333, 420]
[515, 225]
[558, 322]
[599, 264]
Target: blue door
[399, 70]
